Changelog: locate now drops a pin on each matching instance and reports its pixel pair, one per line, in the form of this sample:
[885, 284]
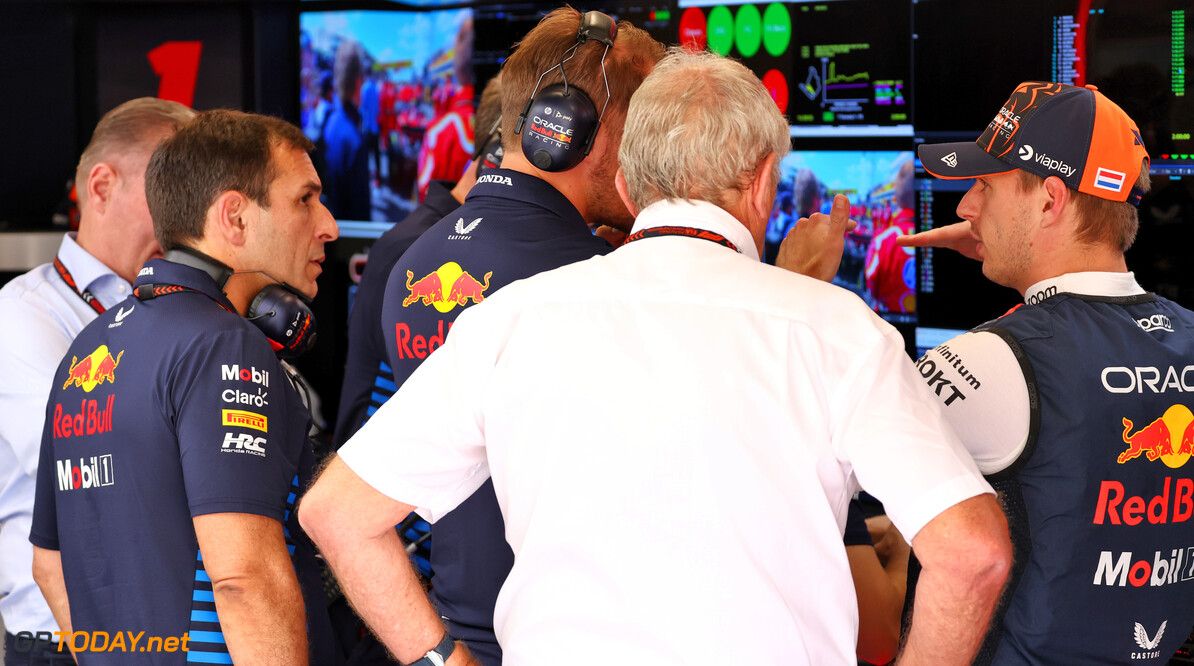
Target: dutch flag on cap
[1106, 179]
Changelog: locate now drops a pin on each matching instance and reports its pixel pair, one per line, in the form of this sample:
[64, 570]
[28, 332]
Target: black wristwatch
[438, 655]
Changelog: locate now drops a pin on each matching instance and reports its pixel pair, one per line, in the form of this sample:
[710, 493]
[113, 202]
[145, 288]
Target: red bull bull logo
[447, 287]
[93, 370]
[1155, 441]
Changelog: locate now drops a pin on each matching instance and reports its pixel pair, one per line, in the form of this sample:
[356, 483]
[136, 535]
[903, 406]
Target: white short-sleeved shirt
[41, 316]
[981, 383]
[674, 432]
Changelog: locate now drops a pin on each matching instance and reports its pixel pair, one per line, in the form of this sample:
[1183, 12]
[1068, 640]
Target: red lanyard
[88, 297]
[682, 231]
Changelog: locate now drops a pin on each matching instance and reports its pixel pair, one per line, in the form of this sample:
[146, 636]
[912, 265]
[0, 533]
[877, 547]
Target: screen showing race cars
[879, 185]
[387, 97]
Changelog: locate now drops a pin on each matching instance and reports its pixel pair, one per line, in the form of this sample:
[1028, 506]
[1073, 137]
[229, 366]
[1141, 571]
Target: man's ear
[762, 196]
[231, 211]
[624, 192]
[101, 182]
[1056, 198]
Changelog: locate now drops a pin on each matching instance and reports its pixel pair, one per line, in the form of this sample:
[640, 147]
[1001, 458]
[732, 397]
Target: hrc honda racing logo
[243, 443]
[87, 473]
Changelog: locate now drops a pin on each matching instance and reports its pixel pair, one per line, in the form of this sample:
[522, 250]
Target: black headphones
[564, 121]
[278, 310]
[489, 153]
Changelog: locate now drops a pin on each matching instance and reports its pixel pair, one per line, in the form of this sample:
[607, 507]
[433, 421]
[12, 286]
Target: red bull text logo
[1162, 570]
[92, 370]
[1155, 440]
[1117, 508]
[418, 346]
[447, 287]
[93, 473]
[236, 417]
[89, 420]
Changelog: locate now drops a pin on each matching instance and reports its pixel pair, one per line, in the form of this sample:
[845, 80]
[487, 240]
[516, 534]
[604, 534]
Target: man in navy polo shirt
[516, 221]
[174, 444]
[1076, 404]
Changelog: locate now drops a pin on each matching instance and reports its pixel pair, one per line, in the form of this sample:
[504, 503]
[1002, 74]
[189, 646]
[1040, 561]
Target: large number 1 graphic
[177, 66]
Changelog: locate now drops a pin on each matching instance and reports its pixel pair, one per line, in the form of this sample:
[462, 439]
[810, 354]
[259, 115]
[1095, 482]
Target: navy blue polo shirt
[163, 410]
[511, 226]
[368, 379]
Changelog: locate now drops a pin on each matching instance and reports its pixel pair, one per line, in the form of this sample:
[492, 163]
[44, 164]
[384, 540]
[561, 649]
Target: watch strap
[438, 655]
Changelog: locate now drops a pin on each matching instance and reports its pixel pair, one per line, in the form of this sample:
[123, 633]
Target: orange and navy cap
[1051, 129]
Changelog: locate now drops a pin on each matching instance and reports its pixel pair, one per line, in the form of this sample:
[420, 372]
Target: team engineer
[1075, 403]
[93, 270]
[611, 518]
[516, 221]
[174, 443]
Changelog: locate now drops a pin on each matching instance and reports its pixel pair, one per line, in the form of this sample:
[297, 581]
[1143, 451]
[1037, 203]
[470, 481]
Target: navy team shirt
[163, 410]
[511, 226]
[368, 379]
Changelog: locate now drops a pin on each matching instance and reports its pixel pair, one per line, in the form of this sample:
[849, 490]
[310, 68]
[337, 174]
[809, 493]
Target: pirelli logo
[237, 417]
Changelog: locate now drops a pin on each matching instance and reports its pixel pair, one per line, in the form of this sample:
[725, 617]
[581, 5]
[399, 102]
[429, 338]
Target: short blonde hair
[130, 127]
[1100, 221]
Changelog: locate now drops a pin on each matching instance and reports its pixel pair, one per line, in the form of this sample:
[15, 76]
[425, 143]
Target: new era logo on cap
[1106, 179]
[951, 160]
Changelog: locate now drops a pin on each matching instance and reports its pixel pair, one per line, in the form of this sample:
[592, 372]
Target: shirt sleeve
[43, 532]
[29, 357]
[239, 424]
[892, 431]
[980, 384]
[425, 447]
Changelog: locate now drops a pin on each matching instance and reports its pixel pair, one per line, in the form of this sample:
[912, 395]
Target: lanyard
[86, 295]
[682, 231]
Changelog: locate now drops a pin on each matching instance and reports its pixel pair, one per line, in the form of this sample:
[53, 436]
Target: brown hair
[629, 61]
[132, 126]
[219, 151]
[1100, 221]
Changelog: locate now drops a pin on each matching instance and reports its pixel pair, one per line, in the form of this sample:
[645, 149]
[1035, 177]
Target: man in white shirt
[44, 310]
[1075, 404]
[699, 519]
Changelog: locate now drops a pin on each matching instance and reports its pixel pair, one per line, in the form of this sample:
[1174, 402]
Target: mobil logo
[234, 372]
[1169, 439]
[446, 287]
[93, 472]
[92, 370]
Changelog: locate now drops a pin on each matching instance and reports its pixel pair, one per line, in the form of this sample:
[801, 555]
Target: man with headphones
[535, 213]
[174, 443]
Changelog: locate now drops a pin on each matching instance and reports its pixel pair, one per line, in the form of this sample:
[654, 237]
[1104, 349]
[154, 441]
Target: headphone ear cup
[562, 123]
[285, 318]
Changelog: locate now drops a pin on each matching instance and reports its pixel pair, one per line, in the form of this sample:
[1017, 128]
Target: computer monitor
[835, 69]
[416, 75]
[879, 186]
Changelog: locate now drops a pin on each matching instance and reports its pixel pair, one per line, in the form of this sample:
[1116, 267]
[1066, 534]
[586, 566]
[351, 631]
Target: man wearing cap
[1074, 404]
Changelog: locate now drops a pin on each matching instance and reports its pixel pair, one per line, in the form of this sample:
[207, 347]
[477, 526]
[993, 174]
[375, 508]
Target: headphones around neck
[564, 121]
[279, 310]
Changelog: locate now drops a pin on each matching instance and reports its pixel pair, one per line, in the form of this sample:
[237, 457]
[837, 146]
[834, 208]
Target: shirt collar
[86, 270]
[699, 215]
[161, 272]
[527, 189]
[1090, 283]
